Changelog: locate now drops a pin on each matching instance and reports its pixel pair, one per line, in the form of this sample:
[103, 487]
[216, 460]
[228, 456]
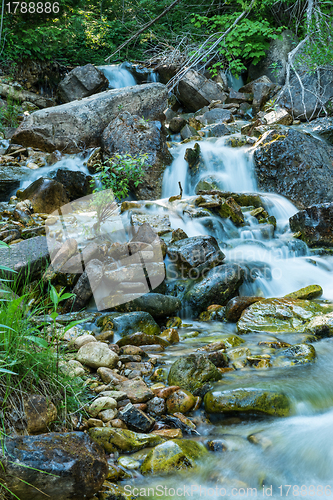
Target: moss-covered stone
[321, 326]
[299, 354]
[129, 323]
[123, 440]
[308, 293]
[171, 335]
[173, 455]
[256, 401]
[230, 209]
[278, 316]
[193, 372]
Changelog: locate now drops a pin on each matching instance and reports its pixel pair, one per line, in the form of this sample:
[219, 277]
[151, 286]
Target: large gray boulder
[130, 134]
[275, 62]
[296, 165]
[317, 93]
[80, 124]
[82, 81]
[195, 91]
[57, 466]
[28, 257]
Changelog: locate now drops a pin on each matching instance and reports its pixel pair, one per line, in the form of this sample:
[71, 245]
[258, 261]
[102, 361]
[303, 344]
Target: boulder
[172, 456]
[26, 258]
[256, 401]
[131, 134]
[237, 305]
[76, 183]
[46, 195]
[295, 165]
[275, 316]
[192, 256]
[217, 287]
[96, 355]
[315, 224]
[195, 91]
[57, 465]
[275, 62]
[156, 304]
[193, 373]
[80, 124]
[82, 81]
[123, 440]
[176, 124]
[308, 105]
[128, 323]
[322, 127]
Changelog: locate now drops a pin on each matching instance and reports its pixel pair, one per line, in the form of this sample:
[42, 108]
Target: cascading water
[118, 77]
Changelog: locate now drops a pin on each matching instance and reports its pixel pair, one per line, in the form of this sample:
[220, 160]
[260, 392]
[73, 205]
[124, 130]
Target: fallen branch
[143, 29]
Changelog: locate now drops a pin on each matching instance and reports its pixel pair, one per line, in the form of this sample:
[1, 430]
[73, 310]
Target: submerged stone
[298, 354]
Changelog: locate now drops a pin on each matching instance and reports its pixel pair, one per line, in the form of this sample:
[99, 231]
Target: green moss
[308, 292]
[112, 439]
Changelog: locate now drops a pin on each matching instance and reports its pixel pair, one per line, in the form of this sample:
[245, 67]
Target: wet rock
[123, 440]
[180, 401]
[307, 293]
[218, 130]
[238, 352]
[278, 117]
[196, 254]
[63, 466]
[217, 115]
[298, 354]
[315, 224]
[156, 304]
[156, 407]
[278, 316]
[322, 127]
[195, 91]
[174, 455]
[142, 339]
[46, 195]
[100, 404]
[81, 123]
[321, 326]
[171, 335]
[229, 209]
[262, 89]
[169, 433]
[160, 224]
[217, 287]
[136, 419]
[39, 413]
[193, 373]
[82, 81]
[128, 323]
[308, 105]
[132, 135]
[176, 124]
[237, 305]
[76, 183]
[97, 354]
[256, 401]
[218, 358]
[26, 258]
[295, 165]
[187, 132]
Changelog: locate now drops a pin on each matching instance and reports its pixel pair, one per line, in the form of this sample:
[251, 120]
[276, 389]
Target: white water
[279, 263]
[118, 77]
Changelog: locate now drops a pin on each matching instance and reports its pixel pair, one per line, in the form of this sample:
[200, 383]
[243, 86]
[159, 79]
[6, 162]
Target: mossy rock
[307, 293]
[321, 326]
[123, 440]
[278, 316]
[193, 373]
[298, 354]
[236, 142]
[173, 455]
[128, 323]
[255, 401]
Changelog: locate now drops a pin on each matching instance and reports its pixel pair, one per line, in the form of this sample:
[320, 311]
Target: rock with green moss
[255, 401]
[193, 373]
[307, 293]
[278, 316]
[236, 142]
[173, 455]
[321, 326]
[232, 341]
[298, 354]
[123, 440]
[129, 323]
[230, 209]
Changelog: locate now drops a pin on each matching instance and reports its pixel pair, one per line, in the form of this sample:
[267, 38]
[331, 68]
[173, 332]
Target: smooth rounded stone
[298, 354]
[166, 392]
[117, 395]
[217, 287]
[107, 415]
[259, 439]
[278, 316]
[39, 413]
[256, 401]
[83, 340]
[73, 368]
[171, 335]
[180, 401]
[238, 352]
[106, 336]
[156, 304]
[131, 350]
[136, 390]
[95, 422]
[169, 433]
[142, 339]
[96, 355]
[128, 323]
[100, 404]
[321, 326]
[306, 293]
[237, 305]
[56, 465]
[193, 373]
[46, 195]
[156, 407]
[123, 440]
[195, 254]
[129, 463]
[173, 455]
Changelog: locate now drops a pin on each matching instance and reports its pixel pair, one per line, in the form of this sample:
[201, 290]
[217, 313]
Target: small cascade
[233, 81]
[118, 76]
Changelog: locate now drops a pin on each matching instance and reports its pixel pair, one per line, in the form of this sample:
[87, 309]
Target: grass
[9, 114]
